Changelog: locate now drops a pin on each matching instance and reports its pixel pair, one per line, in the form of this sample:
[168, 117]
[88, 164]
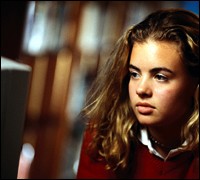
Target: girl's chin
[148, 121]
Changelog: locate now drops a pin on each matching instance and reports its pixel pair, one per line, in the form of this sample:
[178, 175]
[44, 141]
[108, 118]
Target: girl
[143, 110]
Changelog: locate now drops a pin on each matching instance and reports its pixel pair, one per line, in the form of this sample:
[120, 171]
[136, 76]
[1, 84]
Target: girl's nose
[144, 89]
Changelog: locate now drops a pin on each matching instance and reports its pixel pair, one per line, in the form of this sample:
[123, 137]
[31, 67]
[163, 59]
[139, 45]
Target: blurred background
[65, 43]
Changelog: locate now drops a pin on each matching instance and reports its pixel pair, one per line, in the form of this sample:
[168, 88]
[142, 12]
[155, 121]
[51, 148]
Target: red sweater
[144, 166]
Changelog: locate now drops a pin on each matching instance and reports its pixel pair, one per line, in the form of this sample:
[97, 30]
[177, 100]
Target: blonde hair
[111, 118]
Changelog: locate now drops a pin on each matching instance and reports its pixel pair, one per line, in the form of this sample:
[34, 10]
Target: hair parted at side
[108, 110]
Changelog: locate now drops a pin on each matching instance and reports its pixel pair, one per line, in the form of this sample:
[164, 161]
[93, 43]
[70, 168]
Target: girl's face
[160, 89]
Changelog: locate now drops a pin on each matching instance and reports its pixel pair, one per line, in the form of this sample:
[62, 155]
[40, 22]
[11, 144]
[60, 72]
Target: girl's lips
[144, 108]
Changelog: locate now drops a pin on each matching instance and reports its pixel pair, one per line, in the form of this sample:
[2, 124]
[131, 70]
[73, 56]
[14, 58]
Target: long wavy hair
[111, 120]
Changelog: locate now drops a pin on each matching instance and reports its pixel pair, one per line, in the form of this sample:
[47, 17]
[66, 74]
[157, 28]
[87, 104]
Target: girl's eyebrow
[153, 70]
[134, 67]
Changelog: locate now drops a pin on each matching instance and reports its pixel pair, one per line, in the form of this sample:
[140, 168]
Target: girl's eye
[161, 77]
[134, 75]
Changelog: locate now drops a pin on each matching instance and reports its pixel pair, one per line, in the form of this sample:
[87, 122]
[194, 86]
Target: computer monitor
[15, 78]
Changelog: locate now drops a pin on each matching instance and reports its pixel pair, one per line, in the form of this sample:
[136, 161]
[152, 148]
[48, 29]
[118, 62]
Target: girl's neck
[164, 140]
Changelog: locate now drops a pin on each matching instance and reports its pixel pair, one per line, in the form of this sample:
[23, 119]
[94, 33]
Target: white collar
[144, 139]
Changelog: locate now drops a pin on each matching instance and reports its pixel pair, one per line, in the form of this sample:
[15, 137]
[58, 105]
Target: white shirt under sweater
[144, 139]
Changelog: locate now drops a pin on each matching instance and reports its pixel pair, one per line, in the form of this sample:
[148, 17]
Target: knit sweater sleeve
[88, 168]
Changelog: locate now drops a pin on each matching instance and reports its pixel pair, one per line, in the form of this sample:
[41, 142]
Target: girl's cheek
[131, 88]
[163, 93]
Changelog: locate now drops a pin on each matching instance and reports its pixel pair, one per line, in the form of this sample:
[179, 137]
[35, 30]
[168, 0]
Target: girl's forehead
[155, 52]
